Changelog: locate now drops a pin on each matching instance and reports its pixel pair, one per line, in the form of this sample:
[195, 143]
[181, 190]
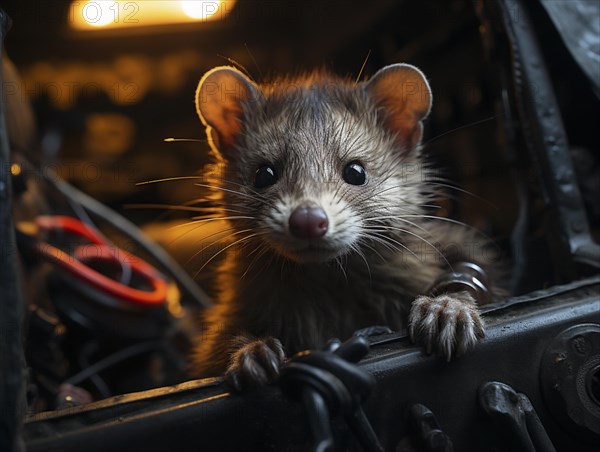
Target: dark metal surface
[430, 436]
[570, 375]
[538, 121]
[203, 415]
[579, 24]
[12, 375]
[465, 276]
[514, 417]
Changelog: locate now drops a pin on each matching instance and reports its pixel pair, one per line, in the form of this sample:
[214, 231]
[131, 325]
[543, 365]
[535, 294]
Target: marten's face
[314, 172]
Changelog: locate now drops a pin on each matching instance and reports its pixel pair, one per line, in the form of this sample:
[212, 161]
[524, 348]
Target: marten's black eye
[355, 174]
[265, 176]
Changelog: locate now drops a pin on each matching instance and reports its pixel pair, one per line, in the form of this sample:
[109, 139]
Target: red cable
[75, 264]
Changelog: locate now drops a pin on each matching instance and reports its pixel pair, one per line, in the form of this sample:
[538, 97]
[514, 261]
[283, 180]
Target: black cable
[85, 352]
[123, 225]
[328, 382]
[126, 271]
[318, 420]
[111, 360]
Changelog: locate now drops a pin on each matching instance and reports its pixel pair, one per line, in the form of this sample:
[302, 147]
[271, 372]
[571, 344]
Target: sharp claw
[255, 363]
[273, 369]
[447, 324]
[233, 379]
[480, 332]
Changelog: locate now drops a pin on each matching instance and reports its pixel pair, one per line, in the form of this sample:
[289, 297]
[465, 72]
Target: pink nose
[308, 221]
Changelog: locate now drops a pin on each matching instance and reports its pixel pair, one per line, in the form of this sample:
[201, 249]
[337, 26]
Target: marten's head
[316, 167]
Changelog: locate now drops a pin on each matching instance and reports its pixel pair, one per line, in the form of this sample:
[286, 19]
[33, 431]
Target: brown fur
[388, 248]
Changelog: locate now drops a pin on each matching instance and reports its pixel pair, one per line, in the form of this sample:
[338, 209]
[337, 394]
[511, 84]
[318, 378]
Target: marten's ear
[403, 96]
[219, 102]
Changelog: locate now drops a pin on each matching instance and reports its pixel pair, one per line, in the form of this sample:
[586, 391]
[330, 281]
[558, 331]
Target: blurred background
[110, 81]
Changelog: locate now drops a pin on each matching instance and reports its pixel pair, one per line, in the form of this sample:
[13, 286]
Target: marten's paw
[255, 362]
[446, 324]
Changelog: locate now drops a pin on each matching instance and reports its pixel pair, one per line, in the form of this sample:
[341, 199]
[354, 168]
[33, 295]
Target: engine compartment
[111, 312]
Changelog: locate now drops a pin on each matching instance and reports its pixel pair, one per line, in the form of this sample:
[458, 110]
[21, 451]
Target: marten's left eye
[265, 176]
[355, 174]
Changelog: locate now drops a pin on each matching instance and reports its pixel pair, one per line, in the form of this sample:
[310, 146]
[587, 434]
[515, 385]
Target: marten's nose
[308, 221]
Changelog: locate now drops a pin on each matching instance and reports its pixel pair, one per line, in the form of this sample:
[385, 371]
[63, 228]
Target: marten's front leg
[447, 321]
[254, 362]
[447, 324]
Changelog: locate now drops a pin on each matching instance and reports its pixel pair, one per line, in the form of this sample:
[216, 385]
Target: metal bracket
[514, 415]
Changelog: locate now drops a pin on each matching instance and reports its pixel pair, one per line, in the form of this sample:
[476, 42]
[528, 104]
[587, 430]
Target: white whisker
[243, 239]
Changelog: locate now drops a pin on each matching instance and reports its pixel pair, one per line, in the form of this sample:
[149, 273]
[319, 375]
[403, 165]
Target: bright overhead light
[98, 14]
[110, 14]
[199, 9]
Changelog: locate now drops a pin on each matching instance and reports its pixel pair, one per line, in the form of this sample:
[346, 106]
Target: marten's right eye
[355, 174]
[265, 176]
